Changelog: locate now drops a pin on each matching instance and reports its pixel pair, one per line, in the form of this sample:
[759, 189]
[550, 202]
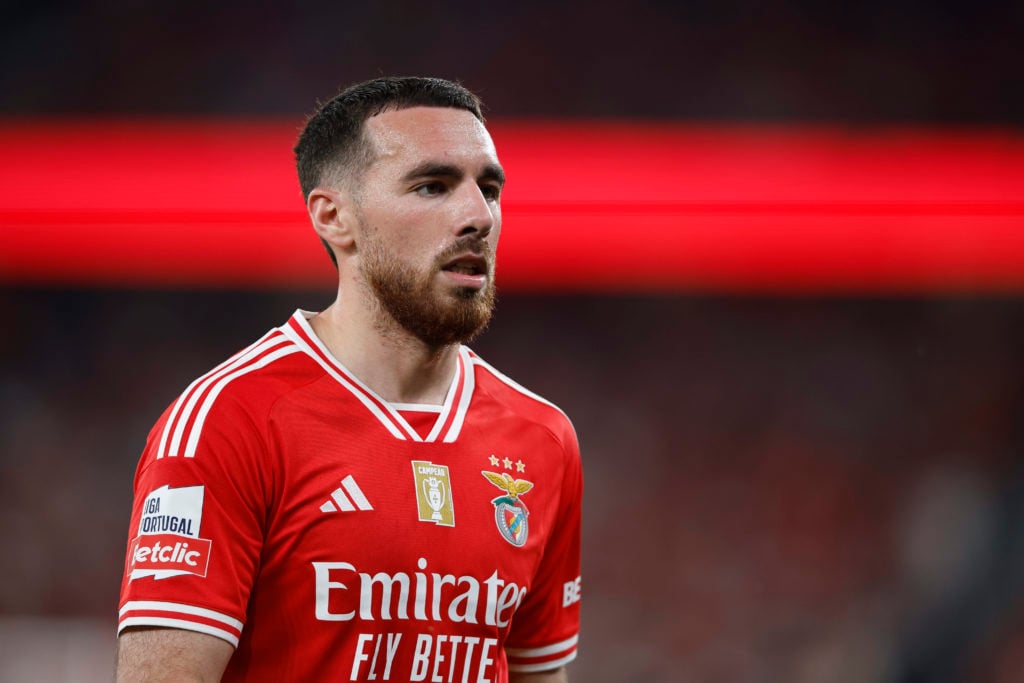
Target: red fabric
[305, 489]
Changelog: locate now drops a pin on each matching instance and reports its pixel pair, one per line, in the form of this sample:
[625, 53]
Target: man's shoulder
[272, 365]
[521, 401]
[249, 382]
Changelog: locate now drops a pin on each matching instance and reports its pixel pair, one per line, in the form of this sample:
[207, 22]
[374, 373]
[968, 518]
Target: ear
[332, 217]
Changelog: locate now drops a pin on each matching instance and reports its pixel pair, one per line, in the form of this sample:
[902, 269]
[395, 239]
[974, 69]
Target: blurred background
[788, 479]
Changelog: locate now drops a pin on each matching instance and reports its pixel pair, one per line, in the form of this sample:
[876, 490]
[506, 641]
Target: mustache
[467, 243]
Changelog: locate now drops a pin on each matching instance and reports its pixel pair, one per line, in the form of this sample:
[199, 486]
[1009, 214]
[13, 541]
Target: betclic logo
[170, 552]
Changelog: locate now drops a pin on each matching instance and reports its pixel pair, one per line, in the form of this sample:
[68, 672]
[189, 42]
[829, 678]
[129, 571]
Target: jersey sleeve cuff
[178, 615]
[530, 659]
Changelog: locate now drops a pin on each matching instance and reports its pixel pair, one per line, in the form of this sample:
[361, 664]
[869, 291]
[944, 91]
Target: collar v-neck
[448, 424]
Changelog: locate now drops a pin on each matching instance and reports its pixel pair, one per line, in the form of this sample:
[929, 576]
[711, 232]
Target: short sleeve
[196, 532]
[545, 630]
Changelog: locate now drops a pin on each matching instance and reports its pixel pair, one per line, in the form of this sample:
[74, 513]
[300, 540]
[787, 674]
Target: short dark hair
[333, 138]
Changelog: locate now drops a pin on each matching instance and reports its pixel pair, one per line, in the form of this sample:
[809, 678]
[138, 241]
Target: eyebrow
[433, 169]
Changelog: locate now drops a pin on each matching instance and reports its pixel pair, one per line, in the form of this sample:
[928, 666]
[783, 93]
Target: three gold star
[507, 463]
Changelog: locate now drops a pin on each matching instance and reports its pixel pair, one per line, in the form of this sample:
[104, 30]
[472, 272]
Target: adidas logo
[347, 503]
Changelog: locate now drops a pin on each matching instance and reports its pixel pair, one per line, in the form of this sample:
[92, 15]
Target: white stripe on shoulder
[197, 427]
[183, 406]
[477, 360]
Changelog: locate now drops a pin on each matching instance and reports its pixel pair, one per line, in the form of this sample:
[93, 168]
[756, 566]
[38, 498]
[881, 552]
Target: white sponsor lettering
[420, 660]
[571, 591]
[389, 653]
[485, 661]
[324, 585]
[435, 657]
[386, 596]
[167, 554]
[439, 641]
[437, 649]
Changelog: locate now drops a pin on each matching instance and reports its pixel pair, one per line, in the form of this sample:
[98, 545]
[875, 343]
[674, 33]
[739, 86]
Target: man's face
[429, 219]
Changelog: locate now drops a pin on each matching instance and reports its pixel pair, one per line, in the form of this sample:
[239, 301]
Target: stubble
[435, 315]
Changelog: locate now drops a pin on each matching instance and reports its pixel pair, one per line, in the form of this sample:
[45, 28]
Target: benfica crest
[510, 512]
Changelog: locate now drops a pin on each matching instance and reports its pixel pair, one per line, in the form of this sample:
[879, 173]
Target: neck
[397, 366]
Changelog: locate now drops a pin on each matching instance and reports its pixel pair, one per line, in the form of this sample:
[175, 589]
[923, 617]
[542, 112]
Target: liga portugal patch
[168, 543]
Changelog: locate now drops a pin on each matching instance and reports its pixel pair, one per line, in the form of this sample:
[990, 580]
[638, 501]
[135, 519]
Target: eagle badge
[510, 512]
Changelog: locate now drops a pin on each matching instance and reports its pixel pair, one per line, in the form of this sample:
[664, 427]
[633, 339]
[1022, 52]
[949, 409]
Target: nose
[477, 216]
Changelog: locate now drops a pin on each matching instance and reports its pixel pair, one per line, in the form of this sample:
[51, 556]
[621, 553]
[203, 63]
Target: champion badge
[433, 493]
[510, 512]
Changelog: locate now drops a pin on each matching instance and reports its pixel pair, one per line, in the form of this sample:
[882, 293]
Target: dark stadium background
[814, 486]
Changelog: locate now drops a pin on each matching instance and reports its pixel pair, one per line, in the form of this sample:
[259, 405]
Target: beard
[437, 316]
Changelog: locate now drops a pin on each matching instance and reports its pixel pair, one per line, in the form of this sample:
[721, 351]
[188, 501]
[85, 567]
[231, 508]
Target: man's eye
[491, 192]
[430, 189]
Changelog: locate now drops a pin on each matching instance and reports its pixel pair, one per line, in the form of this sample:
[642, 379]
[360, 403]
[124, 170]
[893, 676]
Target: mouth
[467, 270]
[468, 264]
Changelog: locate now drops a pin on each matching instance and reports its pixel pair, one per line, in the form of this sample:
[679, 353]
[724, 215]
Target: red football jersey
[282, 506]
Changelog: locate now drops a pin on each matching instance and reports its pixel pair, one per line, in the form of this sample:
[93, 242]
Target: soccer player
[358, 496]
